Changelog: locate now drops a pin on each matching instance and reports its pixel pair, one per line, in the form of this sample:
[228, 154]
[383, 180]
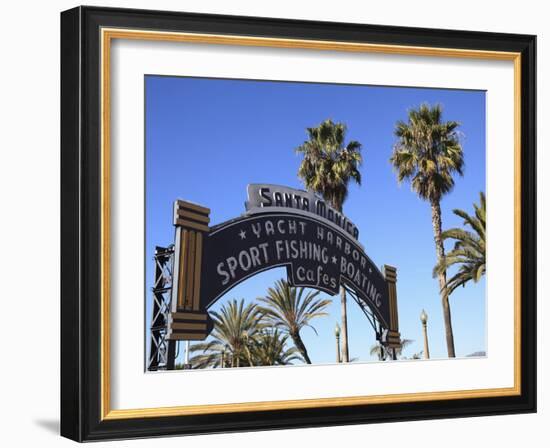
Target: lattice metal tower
[162, 352]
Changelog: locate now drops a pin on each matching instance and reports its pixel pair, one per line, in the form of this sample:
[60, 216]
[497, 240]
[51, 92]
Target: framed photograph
[274, 223]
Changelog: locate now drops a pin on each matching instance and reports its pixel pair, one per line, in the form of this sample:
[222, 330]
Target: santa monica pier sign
[281, 227]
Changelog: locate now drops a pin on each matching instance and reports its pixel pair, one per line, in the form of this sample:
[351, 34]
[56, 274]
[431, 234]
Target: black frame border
[81, 223]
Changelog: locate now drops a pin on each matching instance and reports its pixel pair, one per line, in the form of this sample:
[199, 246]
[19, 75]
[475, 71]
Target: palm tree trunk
[345, 350]
[300, 346]
[338, 205]
[440, 250]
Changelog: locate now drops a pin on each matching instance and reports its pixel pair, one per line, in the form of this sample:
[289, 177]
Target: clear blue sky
[206, 139]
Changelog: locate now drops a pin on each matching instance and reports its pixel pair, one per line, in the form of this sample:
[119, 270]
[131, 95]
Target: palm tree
[469, 248]
[234, 325]
[327, 168]
[428, 153]
[291, 309]
[328, 165]
[269, 348]
[382, 352]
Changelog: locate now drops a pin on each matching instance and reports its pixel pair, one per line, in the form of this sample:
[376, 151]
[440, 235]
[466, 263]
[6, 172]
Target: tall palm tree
[291, 309]
[469, 248]
[234, 325]
[269, 348]
[428, 152]
[328, 166]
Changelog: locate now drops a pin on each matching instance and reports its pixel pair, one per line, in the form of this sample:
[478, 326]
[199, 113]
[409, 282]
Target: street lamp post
[424, 320]
[337, 334]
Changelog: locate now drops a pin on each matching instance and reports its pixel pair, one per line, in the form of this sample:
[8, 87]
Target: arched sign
[282, 227]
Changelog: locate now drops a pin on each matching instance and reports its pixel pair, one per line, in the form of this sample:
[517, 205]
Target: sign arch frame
[209, 261]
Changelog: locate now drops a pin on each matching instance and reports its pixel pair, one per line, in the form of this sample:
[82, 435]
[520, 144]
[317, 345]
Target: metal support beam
[162, 352]
[365, 308]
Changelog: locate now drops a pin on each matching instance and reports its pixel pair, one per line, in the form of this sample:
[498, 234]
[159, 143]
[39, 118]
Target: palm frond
[328, 164]
[468, 252]
[290, 309]
[427, 152]
[234, 324]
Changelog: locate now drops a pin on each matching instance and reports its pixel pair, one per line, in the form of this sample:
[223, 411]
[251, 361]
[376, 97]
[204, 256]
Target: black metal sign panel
[275, 198]
[316, 254]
